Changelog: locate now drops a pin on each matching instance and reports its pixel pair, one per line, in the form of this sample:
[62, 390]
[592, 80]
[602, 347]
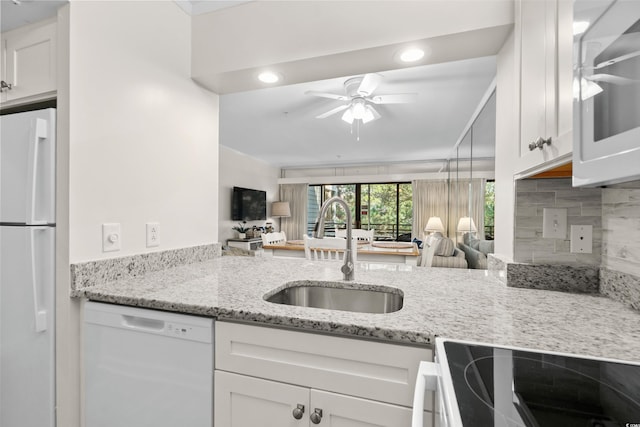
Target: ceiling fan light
[368, 116]
[348, 116]
[359, 110]
[411, 55]
[580, 27]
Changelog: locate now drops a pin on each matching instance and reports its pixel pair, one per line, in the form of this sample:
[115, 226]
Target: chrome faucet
[348, 267]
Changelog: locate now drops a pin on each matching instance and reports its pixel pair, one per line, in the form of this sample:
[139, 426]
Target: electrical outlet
[554, 223]
[153, 234]
[581, 239]
[111, 237]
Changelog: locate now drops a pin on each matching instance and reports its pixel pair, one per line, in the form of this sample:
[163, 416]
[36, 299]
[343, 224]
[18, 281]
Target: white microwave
[606, 87]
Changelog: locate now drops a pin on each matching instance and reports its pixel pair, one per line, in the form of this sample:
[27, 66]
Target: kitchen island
[454, 303]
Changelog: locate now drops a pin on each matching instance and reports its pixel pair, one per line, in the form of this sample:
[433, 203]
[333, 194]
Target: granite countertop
[453, 303]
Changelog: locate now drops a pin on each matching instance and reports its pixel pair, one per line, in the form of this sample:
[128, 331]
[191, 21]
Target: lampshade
[434, 224]
[466, 225]
[348, 116]
[280, 209]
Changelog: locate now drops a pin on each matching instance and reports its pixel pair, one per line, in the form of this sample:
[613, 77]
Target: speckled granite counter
[454, 303]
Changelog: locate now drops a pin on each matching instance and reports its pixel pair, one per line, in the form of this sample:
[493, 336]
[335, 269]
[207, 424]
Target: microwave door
[607, 92]
[610, 80]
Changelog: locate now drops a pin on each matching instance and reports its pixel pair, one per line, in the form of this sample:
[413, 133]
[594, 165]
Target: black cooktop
[502, 387]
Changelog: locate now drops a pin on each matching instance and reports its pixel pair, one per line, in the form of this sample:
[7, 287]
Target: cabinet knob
[298, 412]
[5, 86]
[539, 143]
[316, 417]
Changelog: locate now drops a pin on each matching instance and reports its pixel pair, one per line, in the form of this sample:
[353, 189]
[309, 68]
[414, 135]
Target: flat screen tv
[248, 205]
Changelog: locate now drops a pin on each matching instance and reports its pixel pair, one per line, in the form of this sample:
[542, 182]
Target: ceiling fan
[359, 98]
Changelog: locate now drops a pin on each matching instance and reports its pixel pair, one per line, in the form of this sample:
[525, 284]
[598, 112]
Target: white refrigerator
[27, 269]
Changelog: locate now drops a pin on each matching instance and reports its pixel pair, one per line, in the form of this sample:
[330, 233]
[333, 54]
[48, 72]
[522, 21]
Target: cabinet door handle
[539, 143]
[316, 417]
[5, 86]
[298, 412]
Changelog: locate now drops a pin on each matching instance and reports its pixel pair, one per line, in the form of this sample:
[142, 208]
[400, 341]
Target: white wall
[506, 149]
[143, 137]
[240, 170]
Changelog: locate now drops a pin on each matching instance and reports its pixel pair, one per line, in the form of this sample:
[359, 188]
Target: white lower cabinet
[243, 401]
[269, 376]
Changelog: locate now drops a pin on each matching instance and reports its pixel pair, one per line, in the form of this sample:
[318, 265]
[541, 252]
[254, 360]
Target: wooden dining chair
[327, 249]
[274, 238]
[360, 234]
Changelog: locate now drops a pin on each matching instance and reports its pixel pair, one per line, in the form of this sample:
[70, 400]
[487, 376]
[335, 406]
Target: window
[489, 209]
[386, 208]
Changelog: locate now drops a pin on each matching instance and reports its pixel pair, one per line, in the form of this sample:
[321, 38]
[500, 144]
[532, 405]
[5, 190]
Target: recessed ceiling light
[268, 77]
[411, 55]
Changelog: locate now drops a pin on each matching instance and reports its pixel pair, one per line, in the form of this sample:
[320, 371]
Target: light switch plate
[581, 239]
[111, 237]
[554, 223]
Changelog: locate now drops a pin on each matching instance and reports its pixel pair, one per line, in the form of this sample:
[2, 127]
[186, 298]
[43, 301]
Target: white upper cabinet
[29, 63]
[544, 39]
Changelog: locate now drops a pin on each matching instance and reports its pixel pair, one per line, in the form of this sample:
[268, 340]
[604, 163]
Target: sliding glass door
[386, 208]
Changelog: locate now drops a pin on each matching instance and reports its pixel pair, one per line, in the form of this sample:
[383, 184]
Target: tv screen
[248, 205]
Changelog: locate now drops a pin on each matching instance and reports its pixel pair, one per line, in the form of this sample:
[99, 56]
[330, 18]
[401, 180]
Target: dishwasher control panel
[149, 321]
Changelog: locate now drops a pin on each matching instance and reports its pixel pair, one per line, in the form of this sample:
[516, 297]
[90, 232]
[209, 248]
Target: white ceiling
[278, 125]
[18, 13]
[198, 7]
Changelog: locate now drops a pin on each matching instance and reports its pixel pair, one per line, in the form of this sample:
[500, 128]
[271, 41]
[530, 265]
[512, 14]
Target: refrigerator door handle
[40, 314]
[38, 131]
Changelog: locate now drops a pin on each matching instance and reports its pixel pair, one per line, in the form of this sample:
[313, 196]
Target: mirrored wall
[470, 173]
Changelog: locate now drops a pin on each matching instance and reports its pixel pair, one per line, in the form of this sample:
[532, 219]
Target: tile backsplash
[614, 213]
[584, 207]
[621, 228]
[92, 273]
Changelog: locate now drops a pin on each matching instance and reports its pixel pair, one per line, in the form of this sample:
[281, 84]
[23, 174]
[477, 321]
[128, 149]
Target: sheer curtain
[430, 198]
[296, 225]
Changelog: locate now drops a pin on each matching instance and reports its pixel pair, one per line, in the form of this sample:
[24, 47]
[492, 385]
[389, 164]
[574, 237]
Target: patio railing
[382, 231]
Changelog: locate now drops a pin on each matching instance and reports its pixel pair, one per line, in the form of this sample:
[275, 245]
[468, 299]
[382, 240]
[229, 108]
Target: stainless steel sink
[339, 296]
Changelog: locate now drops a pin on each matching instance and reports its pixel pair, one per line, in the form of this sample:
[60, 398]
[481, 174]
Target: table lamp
[434, 224]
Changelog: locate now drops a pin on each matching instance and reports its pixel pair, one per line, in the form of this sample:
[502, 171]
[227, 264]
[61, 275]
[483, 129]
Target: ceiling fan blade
[327, 95]
[609, 78]
[400, 98]
[369, 83]
[333, 111]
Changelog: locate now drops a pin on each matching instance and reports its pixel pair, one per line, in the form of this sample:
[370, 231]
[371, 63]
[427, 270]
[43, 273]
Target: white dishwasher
[146, 368]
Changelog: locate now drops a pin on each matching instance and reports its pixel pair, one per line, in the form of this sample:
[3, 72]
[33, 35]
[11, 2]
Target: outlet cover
[581, 239]
[111, 237]
[153, 234]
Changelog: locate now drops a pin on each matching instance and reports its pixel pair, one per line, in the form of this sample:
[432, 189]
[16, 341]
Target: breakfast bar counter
[387, 252]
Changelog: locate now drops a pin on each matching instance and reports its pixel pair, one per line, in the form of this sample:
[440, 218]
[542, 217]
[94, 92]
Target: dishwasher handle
[427, 379]
[142, 323]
